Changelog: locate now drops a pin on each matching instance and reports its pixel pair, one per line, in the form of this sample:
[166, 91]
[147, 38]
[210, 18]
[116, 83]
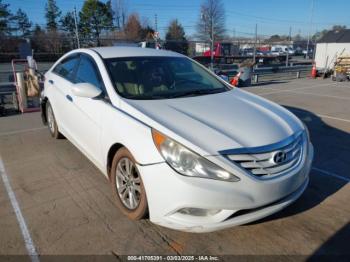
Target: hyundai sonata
[177, 143]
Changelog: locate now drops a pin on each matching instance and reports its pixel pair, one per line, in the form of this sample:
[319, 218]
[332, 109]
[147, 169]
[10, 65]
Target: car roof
[126, 51]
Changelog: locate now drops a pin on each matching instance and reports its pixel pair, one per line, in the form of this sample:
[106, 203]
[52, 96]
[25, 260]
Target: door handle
[69, 98]
[51, 82]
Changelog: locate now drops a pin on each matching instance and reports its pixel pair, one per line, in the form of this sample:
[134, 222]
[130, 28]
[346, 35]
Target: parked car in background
[174, 140]
[290, 51]
[277, 52]
[250, 52]
[246, 52]
[308, 53]
[299, 51]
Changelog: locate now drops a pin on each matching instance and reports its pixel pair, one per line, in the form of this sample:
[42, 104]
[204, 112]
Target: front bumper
[240, 202]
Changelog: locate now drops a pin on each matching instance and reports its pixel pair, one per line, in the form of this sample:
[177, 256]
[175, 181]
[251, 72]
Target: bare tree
[133, 28]
[211, 20]
[120, 13]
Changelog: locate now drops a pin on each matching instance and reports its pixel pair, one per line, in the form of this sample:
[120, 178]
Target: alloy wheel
[128, 183]
[50, 120]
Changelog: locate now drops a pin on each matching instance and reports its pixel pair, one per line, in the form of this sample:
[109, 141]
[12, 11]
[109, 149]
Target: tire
[51, 122]
[127, 186]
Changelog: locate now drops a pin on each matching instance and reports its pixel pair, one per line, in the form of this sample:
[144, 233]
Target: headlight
[188, 163]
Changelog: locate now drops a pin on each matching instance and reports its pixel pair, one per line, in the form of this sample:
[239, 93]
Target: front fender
[120, 127]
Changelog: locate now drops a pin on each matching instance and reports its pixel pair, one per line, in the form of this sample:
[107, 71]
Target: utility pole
[156, 33]
[76, 26]
[289, 40]
[156, 22]
[255, 43]
[308, 35]
[212, 43]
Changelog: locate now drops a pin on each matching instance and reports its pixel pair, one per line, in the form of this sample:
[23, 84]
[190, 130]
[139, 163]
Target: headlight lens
[187, 162]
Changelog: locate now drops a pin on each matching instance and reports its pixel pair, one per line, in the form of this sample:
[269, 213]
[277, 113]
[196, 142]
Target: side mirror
[86, 90]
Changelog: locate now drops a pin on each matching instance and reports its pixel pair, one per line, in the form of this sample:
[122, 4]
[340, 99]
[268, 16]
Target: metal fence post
[256, 78]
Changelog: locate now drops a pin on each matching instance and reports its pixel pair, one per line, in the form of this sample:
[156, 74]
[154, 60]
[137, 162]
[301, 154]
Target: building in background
[332, 45]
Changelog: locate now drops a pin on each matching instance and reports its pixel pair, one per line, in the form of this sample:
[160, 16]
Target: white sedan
[177, 143]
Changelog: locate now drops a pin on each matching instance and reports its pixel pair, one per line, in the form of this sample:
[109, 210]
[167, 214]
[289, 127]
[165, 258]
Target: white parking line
[313, 94]
[20, 219]
[334, 118]
[289, 90]
[324, 172]
[22, 131]
[321, 116]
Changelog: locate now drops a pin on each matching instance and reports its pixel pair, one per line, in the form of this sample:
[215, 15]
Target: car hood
[217, 122]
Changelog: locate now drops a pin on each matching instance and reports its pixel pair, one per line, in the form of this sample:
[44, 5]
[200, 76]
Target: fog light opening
[199, 212]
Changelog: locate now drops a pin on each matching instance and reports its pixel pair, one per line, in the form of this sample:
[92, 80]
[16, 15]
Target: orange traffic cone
[313, 71]
[235, 79]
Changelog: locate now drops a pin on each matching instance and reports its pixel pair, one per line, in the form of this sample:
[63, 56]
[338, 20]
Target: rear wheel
[51, 122]
[127, 185]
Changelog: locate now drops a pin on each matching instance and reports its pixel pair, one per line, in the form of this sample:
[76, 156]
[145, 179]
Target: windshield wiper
[198, 92]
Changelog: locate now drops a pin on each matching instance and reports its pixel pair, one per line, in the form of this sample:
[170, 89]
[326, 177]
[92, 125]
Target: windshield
[161, 78]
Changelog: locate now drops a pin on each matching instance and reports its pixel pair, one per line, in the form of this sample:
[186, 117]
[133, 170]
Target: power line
[281, 20]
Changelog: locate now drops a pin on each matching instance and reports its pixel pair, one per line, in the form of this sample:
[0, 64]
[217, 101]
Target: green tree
[339, 27]
[5, 16]
[23, 24]
[67, 23]
[52, 15]
[37, 29]
[275, 38]
[318, 35]
[175, 38]
[95, 17]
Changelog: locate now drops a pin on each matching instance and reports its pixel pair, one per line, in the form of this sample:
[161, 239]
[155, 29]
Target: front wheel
[127, 185]
[51, 122]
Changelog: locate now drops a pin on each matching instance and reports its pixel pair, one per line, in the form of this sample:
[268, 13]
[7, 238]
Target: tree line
[97, 23]
[100, 23]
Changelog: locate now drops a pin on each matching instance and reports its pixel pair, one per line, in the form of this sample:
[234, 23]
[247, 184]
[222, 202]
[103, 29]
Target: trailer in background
[330, 47]
[220, 49]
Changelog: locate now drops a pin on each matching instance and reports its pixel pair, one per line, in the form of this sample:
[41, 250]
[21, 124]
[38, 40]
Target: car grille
[271, 163]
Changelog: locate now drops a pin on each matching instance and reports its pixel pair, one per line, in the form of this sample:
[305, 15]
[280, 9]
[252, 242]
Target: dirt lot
[67, 206]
